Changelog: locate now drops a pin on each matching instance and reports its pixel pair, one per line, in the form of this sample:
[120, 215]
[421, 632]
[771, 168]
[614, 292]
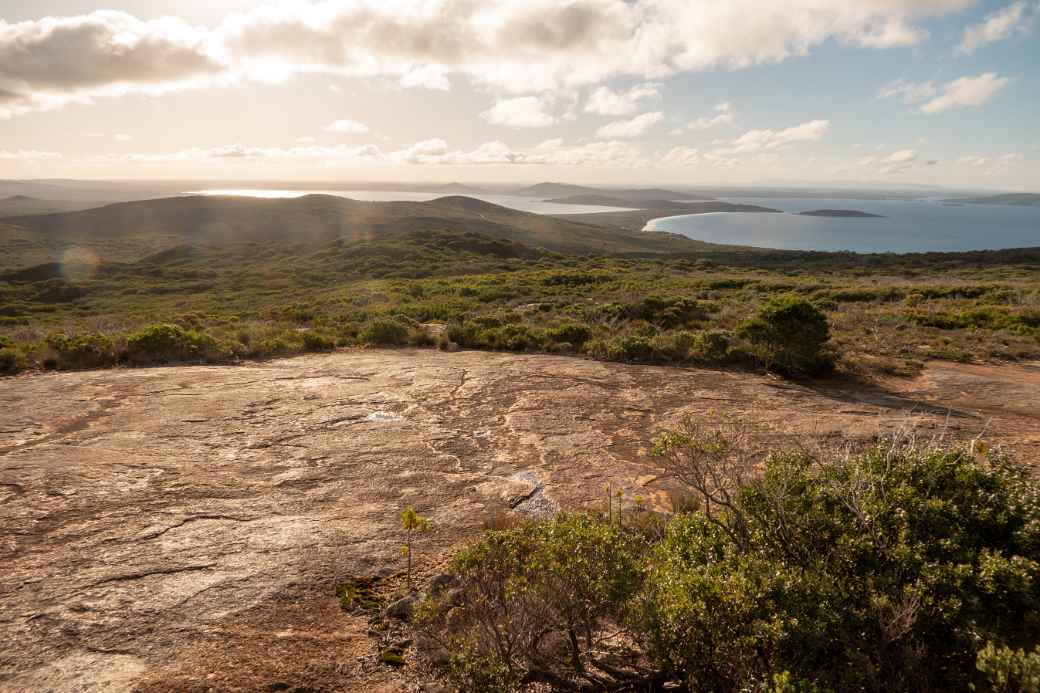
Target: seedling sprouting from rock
[412, 523]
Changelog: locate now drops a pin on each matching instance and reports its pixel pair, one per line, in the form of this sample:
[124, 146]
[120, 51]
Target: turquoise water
[908, 226]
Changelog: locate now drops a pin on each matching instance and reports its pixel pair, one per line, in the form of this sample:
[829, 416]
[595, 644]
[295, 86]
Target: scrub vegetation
[792, 312]
[901, 567]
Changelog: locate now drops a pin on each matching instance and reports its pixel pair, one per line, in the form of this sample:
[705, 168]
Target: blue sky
[889, 92]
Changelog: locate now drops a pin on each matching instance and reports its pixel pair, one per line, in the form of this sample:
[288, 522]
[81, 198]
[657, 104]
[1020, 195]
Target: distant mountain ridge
[1017, 199]
[314, 219]
[566, 190]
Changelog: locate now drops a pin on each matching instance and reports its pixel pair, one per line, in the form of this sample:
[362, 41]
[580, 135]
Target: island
[646, 211]
[841, 213]
[1016, 199]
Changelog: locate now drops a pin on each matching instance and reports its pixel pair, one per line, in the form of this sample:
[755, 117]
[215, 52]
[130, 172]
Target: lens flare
[79, 264]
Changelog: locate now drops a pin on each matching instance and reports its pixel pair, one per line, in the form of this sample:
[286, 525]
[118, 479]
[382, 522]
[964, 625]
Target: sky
[696, 92]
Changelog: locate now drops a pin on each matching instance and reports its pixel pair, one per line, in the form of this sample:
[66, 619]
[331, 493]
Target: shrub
[535, 604]
[11, 360]
[790, 335]
[383, 332]
[316, 341]
[710, 346]
[87, 350]
[167, 343]
[570, 333]
[898, 569]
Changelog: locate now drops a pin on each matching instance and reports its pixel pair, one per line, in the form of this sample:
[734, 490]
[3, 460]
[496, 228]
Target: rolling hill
[1018, 199]
[566, 190]
[128, 231]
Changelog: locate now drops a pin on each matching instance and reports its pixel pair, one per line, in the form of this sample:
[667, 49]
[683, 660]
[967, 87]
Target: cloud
[347, 127]
[764, 140]
[122, 138]
[515, 46]
[431, 152]
[966, 91]
[427, 77]
[689, 156]
[606, 101]
[724, 115]
[28, 155]
[634, 127]
[997, 26]
[908, 92]
[980, 161]
[50, 62]
[899, 161]
[521, 112]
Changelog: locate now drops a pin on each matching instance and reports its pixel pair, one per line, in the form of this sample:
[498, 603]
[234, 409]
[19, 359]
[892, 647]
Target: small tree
[412, 523]
[790, 335]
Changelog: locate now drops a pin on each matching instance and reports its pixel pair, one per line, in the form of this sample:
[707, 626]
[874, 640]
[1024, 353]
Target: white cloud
[28, 155]
[997, 26]
[521, 112]
[689, 156]
[431, 152]
[516, 46]
[908, 92]
[724, 115]
[347, 127]
[966, 91]
[998, 161]
[428, 77]
[606, 101]
[54, 61]
[899, 161]
[764, 140]
[634, 127]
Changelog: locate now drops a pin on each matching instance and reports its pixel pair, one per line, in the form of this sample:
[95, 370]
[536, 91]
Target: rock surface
[184, 528]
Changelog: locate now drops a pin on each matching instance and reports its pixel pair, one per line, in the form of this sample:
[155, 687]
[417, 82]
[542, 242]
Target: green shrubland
[903, 567]
[884, 314]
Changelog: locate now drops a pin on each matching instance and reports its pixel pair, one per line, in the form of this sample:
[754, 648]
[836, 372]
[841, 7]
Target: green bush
[1008, 670]
[790, 335]
[87, 350]
[570, 333]
[711, 346]
[531, 604]
[167, 343]
[383, 332]
[897, 569]
[316, 341]
[11, 360]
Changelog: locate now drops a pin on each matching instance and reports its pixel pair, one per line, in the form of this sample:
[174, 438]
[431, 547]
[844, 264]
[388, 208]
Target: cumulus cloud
[606, 101]
[899, 161]
[754, 141]
[633, 127]
[516, 46]
[908, 92]
[521, 112]
[724, 115]
[347, 127]
[997, 26]
[53, 61]
[966, 91]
